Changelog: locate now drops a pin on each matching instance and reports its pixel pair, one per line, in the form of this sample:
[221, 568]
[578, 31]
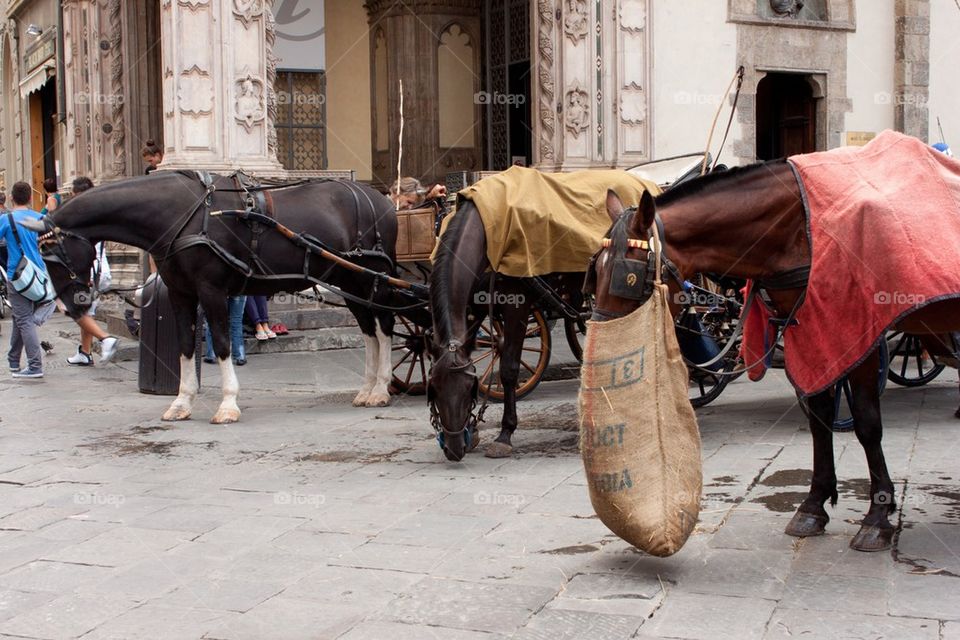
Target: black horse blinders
[630, 279]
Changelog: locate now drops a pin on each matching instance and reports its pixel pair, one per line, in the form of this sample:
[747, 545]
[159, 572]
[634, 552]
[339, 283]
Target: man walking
[22, 243]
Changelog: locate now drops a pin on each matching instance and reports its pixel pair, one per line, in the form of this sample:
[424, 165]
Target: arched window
[457, 78]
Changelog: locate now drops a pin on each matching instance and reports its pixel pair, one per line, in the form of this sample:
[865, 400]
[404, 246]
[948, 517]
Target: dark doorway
[43, 149]
[786, 116]
[507, 123]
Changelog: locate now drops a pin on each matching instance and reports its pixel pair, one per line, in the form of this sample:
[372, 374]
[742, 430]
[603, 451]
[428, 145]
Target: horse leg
[216, 310]
[876, 532]
[379, 395]
[811, 518]
[514, 330]
[367, 323]
[185, 311]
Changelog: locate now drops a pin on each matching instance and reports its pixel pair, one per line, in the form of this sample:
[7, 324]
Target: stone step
[323, 339]
[322, 318]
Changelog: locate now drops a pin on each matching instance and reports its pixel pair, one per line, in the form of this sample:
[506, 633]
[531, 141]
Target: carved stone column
[216, 85]
[912, 69]
[591, 91]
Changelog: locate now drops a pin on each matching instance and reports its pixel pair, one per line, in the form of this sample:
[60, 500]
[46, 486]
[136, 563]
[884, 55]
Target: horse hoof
[872, 538]
[378, 400]
[804, 525]
[226, 416]
[361, 399]
[498, 450]
[176, 414]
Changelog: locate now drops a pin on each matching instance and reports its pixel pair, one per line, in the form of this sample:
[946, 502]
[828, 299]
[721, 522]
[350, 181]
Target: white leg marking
[182, 406]
[228, 412]
[371, 346]
[380, 395]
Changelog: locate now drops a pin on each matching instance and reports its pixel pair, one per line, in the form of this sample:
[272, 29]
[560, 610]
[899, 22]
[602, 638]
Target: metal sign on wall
[38, 52]
[300, 34]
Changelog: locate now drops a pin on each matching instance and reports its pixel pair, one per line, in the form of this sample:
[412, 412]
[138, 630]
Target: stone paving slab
[310, 519]
[805, 623]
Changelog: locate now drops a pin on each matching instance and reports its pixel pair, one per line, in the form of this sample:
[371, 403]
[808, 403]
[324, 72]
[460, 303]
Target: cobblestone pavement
[312, 519]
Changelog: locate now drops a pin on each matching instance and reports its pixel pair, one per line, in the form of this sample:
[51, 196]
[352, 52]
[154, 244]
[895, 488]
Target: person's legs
[253, 313]
[209, 357]
[262, 314]
[16, 344]
[27, 328]
[235, 306]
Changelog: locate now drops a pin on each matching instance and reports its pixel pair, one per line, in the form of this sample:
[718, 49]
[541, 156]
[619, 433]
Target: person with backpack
[23, 255]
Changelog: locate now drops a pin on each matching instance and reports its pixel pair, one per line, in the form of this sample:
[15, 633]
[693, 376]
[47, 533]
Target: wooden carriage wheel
[533, 359]
[410, 362]
[909, 365]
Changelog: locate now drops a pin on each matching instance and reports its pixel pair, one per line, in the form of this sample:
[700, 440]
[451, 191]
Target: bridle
[472, 419]
[631, 279]
[626, 283]
[53, 251]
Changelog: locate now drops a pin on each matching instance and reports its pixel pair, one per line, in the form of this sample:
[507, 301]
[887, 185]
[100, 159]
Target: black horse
[204, 255]
[460, 272]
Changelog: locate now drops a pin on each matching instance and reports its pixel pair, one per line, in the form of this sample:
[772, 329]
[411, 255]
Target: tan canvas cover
[538, 223]
[639, 438]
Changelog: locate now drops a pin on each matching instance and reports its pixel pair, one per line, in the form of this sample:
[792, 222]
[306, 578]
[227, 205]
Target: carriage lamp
[34, 30]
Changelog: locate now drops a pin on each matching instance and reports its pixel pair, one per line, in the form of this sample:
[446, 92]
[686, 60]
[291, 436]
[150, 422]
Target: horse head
[452, 392]
[622, 272]
[69, 259]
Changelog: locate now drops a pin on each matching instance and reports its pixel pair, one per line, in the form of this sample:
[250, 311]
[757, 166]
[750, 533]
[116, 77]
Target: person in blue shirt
[24, 336]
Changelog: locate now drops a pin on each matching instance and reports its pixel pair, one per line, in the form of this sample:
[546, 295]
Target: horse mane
[440, 278]
[710, 181]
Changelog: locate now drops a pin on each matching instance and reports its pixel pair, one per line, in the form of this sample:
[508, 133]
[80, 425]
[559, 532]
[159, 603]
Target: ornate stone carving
[118, 137]
[193, 5]
[250, 108]
[633, 106]
[633, 16]
[248, 10]
[575, 19]
[547, 102]
[786, 7]
[195, 92]
[270, 35]
[576, 110]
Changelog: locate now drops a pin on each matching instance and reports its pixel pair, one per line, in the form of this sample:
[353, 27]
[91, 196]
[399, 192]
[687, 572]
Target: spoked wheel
[843, 395]
[410, 363]
[908, 367]
[533, 359]
[702, 336]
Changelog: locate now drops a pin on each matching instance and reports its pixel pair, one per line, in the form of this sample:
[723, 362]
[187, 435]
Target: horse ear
[646, 215]
[614, 205]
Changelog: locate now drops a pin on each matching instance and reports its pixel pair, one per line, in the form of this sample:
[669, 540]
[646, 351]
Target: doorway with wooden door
[509, 138]
[786, 116]
[43, 149]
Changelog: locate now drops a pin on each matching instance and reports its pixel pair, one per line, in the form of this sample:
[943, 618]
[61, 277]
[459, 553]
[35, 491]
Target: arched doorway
[786, 116]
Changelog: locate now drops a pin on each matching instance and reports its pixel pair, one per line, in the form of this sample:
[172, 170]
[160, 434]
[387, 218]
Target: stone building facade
[557, 84]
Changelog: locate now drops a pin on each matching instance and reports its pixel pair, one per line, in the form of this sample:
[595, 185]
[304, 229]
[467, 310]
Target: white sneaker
[108, 349]
[80, 358]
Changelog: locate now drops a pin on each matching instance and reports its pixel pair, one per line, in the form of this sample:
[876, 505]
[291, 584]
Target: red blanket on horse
[885, 232]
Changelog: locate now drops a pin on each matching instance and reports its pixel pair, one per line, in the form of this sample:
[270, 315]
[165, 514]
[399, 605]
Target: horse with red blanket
[843, 245]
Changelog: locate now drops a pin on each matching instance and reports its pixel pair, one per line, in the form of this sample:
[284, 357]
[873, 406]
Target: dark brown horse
[750, 223]
[166, 214]
[460, 271]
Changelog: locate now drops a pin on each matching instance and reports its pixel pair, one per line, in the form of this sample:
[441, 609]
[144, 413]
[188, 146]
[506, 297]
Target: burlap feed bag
[638, 432]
